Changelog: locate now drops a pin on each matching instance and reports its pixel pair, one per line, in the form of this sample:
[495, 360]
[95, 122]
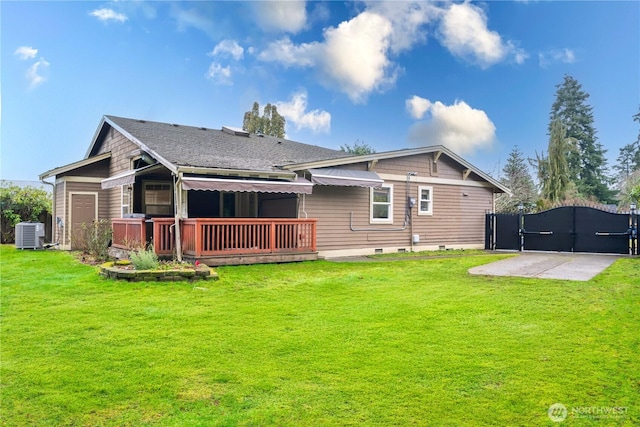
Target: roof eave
[393, 154]
[75, 165]
[198, 170]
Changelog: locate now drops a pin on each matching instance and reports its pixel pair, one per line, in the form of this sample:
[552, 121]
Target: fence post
[521, 227]
[633, 232]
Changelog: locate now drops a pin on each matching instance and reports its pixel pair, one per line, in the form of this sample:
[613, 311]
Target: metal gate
[564, 229]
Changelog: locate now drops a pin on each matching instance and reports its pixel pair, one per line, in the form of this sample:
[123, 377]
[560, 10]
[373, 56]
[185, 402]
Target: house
[227, 196]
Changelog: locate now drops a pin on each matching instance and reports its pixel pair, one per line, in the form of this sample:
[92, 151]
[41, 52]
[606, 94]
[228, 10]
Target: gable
[178, 146]
[433, 161]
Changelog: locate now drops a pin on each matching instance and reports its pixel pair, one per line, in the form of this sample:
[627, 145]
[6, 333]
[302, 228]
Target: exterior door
[83, 211]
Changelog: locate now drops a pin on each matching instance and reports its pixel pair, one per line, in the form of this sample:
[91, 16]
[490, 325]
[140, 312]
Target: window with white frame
[425, 200]
[382, 204]
[126, 198]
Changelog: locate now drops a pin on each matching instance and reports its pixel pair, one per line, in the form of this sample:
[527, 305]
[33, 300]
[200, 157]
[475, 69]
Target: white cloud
[26, 52]
[228, 47]
[295, 113]
[463, 30]
[459, 127]
[35, 73]
[288, 16]
[352, 57]
[219, 74]
[417, 106]
[566, 56]
[355, 56]
[408, 21]
[288, 54]
[106, 15]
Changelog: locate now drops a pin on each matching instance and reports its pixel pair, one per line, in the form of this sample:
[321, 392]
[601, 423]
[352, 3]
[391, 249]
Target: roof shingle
[212, 148]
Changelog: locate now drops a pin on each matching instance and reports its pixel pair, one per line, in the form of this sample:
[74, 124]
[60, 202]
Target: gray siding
[121, 149]
[459, 208]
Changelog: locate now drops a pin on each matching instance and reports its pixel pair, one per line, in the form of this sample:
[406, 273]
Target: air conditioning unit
[29, 235]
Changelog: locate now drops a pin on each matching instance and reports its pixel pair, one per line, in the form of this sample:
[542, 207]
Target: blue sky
[478, 77]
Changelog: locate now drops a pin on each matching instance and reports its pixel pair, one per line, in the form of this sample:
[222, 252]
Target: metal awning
[299, 186]
[345, 177]
[125, 178]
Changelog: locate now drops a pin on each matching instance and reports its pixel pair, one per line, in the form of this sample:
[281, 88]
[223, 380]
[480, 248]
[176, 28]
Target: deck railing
[203, 237]
[128, 233]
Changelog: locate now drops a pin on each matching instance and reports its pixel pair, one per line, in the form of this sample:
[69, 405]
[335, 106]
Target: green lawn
[415, 342]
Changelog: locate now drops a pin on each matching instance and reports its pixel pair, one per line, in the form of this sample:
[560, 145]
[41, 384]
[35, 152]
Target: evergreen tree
[517, 178]
[271, 123]
[556, 164]
[359, 148]
[586, 163]
[629, 158]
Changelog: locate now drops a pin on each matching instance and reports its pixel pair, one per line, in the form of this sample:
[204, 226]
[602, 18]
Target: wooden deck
[225, 241]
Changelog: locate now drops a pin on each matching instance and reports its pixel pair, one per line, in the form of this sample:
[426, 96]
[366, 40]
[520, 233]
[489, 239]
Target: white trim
[428, 212]
[122, 204]
[433, 180]
[65, 220]
[84, 179]
[95, 214]
[388, 220]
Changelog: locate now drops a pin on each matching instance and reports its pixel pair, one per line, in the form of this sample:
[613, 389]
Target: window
[157, 198]
[425, 200]
[382, 204]
[126, 197]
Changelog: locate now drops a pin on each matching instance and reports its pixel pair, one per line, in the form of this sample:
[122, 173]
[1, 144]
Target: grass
[416, 342]
[430, 254]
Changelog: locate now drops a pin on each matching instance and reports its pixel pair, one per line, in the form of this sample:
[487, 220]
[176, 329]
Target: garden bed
[124, 271]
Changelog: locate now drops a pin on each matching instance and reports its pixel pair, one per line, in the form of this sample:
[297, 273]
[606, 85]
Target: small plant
[144, 260]
[98, 238]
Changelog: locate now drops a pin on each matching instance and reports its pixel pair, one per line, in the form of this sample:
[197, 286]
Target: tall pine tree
[586, 163]
[517, 178]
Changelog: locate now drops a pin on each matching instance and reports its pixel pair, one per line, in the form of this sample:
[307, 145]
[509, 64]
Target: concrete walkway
[548, 265]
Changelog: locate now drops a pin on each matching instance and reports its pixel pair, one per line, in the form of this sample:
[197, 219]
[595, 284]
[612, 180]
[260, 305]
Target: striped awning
[125, 178]
[345, 177]
[299, 186]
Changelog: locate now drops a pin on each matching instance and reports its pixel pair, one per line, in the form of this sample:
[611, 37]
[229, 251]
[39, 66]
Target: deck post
[177, 206]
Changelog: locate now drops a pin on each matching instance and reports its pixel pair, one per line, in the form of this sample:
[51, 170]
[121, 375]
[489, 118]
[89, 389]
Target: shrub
[94, 239]
[18, 204]
[145, 260]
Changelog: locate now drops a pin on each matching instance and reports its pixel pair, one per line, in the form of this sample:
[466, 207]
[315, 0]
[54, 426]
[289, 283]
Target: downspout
[53, 208]
[177, 205]
[303, 207]
[409, 212]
